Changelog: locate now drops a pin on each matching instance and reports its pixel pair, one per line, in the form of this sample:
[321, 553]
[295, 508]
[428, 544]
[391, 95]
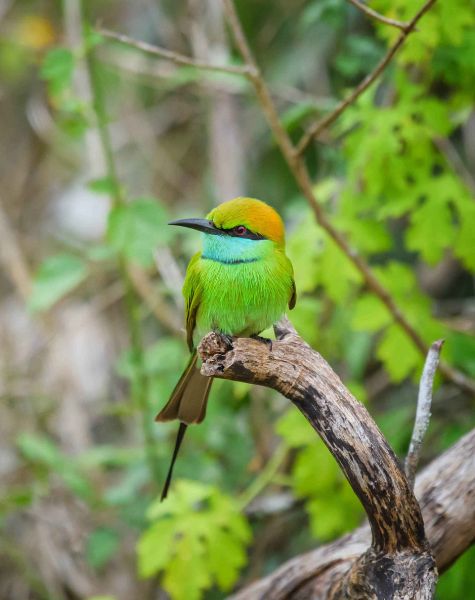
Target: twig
[12, 257]
[264, 478]
[424, 402]
[139, 385]
[297, 166]
[317, 127]
[175, 57]
[163, 313]
[381, 18]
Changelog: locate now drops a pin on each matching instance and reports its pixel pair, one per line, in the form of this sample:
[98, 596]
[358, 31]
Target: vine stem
[265, 477]
[139, 385]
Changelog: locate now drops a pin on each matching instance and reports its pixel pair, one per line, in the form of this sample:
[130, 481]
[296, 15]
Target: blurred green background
[100, 147]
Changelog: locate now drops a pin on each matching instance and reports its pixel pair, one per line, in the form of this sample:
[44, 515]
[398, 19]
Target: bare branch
[297, 166]
[179, 59]
[445, 490]
[322, 124]
[381, 18]
[304, 377]
[424, 402]
[12, 257]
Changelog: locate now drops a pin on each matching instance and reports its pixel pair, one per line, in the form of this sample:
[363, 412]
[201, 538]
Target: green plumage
[239, 284]
[237, 298]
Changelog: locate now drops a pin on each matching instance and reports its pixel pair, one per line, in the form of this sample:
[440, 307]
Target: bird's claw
[228, 339]
[264, 340]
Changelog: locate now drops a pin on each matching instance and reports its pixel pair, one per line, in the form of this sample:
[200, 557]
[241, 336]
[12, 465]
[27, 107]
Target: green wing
[293, 293]
[192, 291]
[293, 297]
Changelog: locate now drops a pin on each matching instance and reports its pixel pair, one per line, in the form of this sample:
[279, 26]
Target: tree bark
[446, 493]
[398, 562]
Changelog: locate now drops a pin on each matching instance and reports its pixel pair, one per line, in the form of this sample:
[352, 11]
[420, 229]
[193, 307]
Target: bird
[240, 283]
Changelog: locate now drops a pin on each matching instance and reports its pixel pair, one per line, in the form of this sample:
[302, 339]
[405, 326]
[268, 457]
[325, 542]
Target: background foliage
[101, 146]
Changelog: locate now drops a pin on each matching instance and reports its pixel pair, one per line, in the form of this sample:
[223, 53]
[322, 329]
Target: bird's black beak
[203, 225]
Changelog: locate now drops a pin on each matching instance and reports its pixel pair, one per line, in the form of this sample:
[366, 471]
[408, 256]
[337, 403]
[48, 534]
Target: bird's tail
[187, 404]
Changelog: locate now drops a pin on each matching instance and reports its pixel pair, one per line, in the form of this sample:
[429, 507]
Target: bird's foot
[264, 340]
[227, 339]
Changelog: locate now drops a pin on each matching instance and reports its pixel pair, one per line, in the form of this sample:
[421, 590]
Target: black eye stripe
[250, 235]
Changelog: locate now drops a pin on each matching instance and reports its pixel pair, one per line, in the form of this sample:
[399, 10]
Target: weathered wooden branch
[446, 491]
[398, 563]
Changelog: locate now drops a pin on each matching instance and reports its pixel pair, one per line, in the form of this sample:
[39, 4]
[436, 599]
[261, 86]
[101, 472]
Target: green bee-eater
[239, 284]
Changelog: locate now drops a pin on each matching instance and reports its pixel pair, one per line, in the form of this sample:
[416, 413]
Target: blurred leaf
[103, 185]
[101, 546]
[461, 350]
[43, 451]
[370, 314]
[455, 583]
[40, 449]
[197, 537]
[56, 276]
[332, 505]
[57, 69]
[294, 115]
[398, 353]
[136, 229]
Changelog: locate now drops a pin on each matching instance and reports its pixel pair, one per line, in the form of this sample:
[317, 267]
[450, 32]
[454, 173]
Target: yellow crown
[255, 215]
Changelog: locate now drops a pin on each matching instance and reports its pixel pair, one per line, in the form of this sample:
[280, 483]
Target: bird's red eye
[240, 230]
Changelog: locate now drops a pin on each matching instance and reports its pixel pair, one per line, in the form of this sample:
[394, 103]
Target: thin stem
[140, 382]
[264, 478]
[381, 18]
[179, 59]
[424, 402]
[317, 127]
[302, 177]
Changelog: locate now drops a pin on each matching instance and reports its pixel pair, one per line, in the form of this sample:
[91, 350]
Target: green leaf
[464, 245]
[56, 276]
[43, 451]
[57, 69]
[398, 353]
[294, 115]
[137, 229]
[197, 537]
[101, 546]
[332, 505]
[103, 185]
[294, 428]
[370, 314]
[40, 449]
[337, 273]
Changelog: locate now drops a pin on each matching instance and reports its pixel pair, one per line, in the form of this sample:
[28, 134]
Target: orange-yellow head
[256, 216]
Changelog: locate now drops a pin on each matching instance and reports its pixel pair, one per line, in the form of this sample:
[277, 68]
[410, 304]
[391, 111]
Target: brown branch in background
[445, 490]
[175, 57]
[315, 129]
[302, 177]
[381, 18]
[12, 257]
[424, 402]
[298, 372]
[168, 318]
